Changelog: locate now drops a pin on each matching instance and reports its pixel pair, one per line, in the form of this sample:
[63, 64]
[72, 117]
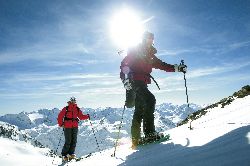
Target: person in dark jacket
[135, 75]
[68, 119]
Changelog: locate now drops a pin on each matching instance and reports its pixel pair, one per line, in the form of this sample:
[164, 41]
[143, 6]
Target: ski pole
[94, 135]
[119, 130]
[182, 63]
[185, 80]
[57, 146]
[120, 52]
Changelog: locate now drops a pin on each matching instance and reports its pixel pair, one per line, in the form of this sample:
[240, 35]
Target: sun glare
[126, 28]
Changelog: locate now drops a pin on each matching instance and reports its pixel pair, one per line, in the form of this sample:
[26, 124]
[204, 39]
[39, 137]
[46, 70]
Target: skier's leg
[137, 117]
[73, 141]
[136, 124]
[148, 116]
[139, 111]
[67, 135]
[147, 102]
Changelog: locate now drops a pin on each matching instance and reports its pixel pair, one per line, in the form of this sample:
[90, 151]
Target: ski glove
[127, 84]
[88, 116]
[180, 68]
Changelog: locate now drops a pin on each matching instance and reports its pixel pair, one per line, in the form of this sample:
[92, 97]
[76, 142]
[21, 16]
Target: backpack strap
[78, 109]
[64, 118]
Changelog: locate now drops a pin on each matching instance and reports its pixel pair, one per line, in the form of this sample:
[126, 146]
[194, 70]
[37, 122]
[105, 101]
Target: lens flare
[126, 28]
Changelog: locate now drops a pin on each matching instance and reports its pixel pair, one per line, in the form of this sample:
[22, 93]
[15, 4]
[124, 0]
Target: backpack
[66, 118]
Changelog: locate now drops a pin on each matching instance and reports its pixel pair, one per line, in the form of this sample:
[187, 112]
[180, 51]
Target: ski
[80, 158]
[76, 159]
[143, 141]
[84, 157]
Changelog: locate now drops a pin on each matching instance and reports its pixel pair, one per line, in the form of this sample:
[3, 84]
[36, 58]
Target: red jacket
[140, 62]
[71, 114]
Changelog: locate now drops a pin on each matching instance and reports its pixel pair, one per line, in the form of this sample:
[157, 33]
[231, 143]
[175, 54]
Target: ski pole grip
[182, 62]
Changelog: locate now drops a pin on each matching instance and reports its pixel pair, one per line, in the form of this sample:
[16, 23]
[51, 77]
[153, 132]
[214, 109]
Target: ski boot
[152, 137]
[65, 159]
[71, 156]
[135, 143]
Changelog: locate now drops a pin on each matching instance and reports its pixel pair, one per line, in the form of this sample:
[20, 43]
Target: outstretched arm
[82, 116]
[158, 64]
[61, 116]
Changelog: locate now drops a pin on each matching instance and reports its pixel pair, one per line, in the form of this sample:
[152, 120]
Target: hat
[72, 100]
[147, 35]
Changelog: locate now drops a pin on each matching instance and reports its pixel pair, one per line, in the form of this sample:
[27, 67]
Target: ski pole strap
[76, 119]
[154, 81]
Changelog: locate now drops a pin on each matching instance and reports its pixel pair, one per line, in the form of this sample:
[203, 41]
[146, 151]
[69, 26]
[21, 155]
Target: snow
[34, 116]
[219, 138]
[22, 154]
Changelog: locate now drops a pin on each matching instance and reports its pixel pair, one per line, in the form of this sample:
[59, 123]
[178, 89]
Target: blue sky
[52, 50]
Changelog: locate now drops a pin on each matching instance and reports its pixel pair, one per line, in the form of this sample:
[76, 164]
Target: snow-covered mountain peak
[26, 120]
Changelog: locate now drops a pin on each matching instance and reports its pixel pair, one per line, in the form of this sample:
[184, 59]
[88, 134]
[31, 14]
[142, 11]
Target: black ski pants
[144, 110]
[70, 135]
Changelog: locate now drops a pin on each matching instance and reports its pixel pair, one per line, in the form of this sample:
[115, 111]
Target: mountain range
[42, 125]
[220, 135]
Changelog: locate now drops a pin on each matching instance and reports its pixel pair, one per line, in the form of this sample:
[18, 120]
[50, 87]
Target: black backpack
[67, 111]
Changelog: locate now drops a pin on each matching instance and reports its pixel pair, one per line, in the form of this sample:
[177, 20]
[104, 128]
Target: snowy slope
[220, 138]
[20, 153]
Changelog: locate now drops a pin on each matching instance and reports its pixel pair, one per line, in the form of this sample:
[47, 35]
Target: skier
[68, 119]
[135, 74]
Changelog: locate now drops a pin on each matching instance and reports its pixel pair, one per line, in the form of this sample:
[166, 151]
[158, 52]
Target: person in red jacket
[135, 75]
[68, 119]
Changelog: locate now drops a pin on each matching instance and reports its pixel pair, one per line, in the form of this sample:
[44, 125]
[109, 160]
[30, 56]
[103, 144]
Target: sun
[126, 28]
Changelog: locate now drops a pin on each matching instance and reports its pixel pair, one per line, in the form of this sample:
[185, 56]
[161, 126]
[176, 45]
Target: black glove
[180, 68]
[88, 116]
[183, 68]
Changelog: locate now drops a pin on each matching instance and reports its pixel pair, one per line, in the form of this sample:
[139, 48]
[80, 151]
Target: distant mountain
[13, 133]
[26, 120]
[42, 125]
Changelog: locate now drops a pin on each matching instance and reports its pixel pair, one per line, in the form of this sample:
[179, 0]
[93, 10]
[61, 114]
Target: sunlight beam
[126, 28]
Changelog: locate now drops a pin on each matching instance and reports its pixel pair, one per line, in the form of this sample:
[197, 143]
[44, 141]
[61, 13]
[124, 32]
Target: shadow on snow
[230, 149]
